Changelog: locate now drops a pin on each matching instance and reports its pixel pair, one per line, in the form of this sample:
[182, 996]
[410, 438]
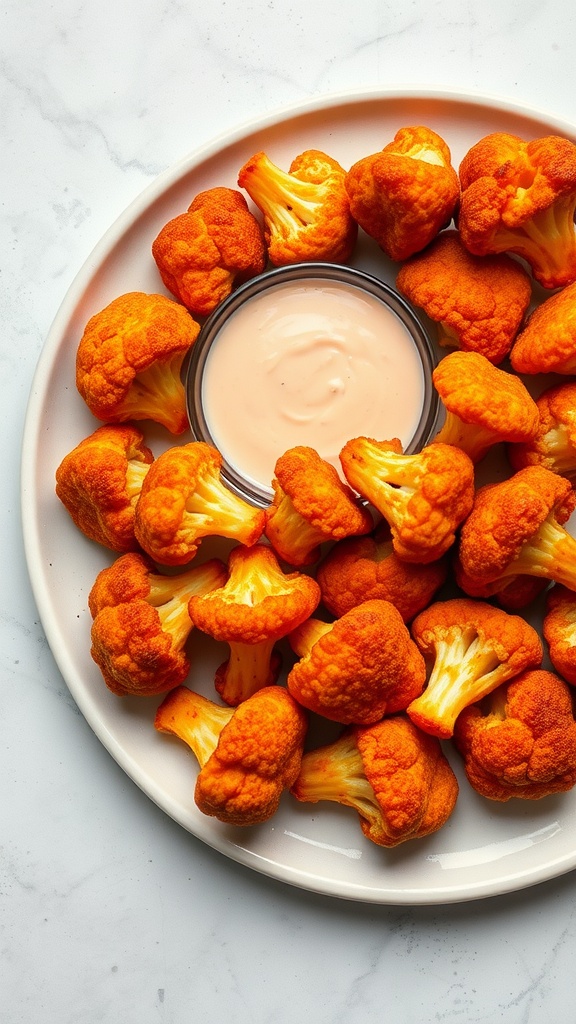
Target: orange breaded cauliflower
[484, 405]
[522, 200]
[472, 648]
[311, 505]
[559, 629]
[100, 480]
[306, 210]
[256, 606]
[129, 360]
[478, 302]
[554, 445]
[396, 777]
[248, 755]
[516, 528]
[520, 742]
[184, 500]
[547, 344]
[424, 497]
[405, 194]
[358, 668]
[141, 623]
[204, 253]
[363, 568]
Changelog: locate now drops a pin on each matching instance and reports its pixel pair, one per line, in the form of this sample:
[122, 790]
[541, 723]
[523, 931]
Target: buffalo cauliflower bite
[472, 648]
[311, 505]
[479, 303]
[256, 606]
[204, 253]
[358, 668]
[129, 360]
[306, 210]
[522, 200]
[362, 568]
[99, 483]
[405, 194]
[516, 528]
[521, 741]
[547, 344]
[184, 500]
[559, 629]
[396, 777]
[424, 497]
[484, 405]
[141, 623]
[247, 755]
[554, 445]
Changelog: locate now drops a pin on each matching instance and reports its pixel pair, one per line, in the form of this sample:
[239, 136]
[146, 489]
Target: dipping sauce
[308, 361]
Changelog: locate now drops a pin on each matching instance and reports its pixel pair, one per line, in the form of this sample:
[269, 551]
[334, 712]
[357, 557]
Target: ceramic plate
[485, 848]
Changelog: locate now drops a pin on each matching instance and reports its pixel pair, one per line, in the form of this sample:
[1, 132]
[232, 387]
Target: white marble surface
[109, 911]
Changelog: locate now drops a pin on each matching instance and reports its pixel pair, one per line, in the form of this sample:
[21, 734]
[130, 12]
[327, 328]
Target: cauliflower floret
[559, 629]
[405, 194]
[306, 210]
[473, 648]
[396, 777]
[478, 302]
[129, 360]
[248, 755]
[358, 668]
[204, 253]
[554, 445]
[521, 741]
[547, 344]
[99, 483]
[424, 497]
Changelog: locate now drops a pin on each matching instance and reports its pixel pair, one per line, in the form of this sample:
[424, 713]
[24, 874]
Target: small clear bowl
[305, 273]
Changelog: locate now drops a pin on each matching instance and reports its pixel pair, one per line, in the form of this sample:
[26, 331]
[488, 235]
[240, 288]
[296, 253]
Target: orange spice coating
[405, 194]
[547, 344]
[204, 253]
[559, 630]
[397, 778]
[554, 445]
[521, 742]
[185, 500]
[306, 209]
[129, 360]
[311, 505]
[479, 302]
[99, 483]
[358, 668]
[484, 404]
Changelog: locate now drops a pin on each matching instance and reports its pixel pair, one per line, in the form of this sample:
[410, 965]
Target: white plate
[486, 848]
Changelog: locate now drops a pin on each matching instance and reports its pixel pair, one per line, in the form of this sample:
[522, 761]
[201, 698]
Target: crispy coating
[472, 648]
[248, 755]
[520, 197]
[129, 360]
[141, 623]
[396, 777]
[424, 497]
[547, 344]
[478, 302]
[554, 445]
[484, 404]
[306, 210]
[521, 742]
[559, 629]
[364, 568]
[517, 528]
[405, 194]
[358, 668]
[311, 505]
[256, 606]
[99, 483]
[185, 500]
[204, 253]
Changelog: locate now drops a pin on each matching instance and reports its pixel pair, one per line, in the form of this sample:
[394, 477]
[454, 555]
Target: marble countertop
[110, 910]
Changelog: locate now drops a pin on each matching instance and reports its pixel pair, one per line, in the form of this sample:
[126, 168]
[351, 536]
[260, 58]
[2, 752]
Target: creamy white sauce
[309, 364]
